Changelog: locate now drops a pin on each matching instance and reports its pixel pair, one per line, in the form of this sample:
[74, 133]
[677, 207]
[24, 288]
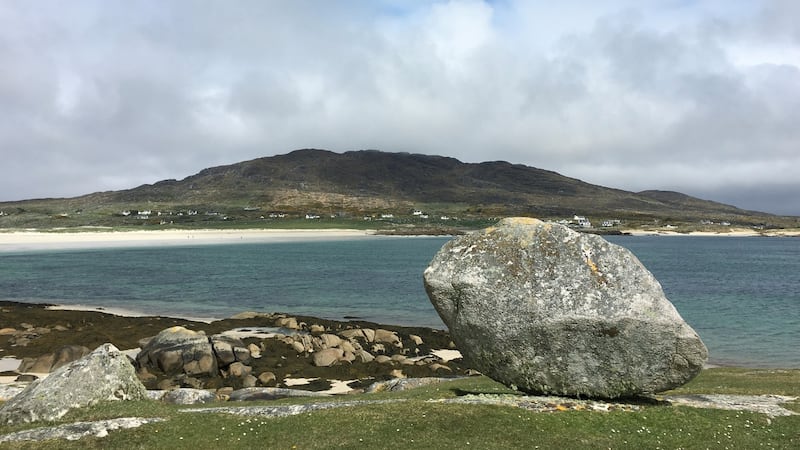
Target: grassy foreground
[418, 422]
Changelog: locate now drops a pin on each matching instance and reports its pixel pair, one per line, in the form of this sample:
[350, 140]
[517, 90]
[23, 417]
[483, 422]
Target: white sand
[38, 240]
[732, 232]
[126, 312]
[447, 355]
[9, 363]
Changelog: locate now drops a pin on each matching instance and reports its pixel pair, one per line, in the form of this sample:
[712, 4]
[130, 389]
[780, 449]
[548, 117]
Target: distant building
[582, 221]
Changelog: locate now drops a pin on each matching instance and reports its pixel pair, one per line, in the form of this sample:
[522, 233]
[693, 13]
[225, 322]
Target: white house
[582, 221]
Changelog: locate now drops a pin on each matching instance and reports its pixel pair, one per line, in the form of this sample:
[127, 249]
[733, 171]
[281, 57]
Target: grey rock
[364, 356]
[540, 307]
[330, 340]
[255, 351]
[78, 430]
[9, 391]
[104, 374]
[187, 396]
[267, 378]
[67, 354]
[771, 405]
[224, 352]
[176, 351]
[388, 337]
[327, 357]
[156, 394]
[249, 381]
[239, 370]
[41, 364]
[285, 410]
[268, 393]
[402, 384]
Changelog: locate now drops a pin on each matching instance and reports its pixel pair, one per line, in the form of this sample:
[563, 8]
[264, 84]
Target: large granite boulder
[540, 307]
[104, 374]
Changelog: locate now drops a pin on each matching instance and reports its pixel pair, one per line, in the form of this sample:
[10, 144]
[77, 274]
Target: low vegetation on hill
[371, 189]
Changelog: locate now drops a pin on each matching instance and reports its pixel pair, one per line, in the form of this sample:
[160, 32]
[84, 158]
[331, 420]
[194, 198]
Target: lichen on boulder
[543, 308]
[104, 374]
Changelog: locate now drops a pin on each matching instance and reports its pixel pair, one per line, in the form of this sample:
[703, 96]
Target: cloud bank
[700, 96]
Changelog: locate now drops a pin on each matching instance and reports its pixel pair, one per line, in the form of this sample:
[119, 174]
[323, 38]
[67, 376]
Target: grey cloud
[116, 94]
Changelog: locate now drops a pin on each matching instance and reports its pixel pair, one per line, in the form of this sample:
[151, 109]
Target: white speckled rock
[104, 374]
[538, 306]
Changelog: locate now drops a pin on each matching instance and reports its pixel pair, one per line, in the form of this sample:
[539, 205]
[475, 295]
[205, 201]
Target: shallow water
[742, 295]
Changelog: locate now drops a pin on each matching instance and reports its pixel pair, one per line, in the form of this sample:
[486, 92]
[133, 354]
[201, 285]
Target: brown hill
[371, 182]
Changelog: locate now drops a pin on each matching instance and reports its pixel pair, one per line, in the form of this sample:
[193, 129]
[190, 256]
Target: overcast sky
[701, 97]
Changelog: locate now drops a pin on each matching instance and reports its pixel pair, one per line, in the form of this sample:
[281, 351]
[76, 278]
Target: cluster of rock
[188, 356]
[356, 344]
[547, 310]
[288, 353]
[107, 374]
[27, 333]
[178, 357]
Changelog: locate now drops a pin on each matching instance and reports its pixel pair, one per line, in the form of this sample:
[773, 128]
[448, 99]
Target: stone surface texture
[104, 374]
[79, 430]
[543, 308]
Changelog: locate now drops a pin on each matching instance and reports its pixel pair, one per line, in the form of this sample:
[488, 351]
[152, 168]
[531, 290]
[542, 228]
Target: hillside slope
[372, 182]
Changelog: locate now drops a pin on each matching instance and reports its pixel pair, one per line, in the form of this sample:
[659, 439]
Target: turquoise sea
[742, 295]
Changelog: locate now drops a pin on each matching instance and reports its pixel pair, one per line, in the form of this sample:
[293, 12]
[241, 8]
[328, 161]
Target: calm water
[742, 295]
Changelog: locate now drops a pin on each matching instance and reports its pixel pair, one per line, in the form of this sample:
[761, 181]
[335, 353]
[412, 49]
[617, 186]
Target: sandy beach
[732, 232]
[65, 240]
[28, 240]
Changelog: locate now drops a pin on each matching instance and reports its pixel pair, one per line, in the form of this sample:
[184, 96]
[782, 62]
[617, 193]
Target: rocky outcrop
[268, 393]
[178, 350]
[187, 396]
[104, 374]
[79, 430]
[185, 356]
[540, 307]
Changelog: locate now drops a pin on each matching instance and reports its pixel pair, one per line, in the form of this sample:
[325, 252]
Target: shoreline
[31, 240]
[445, 354]
[733, 232]
[39, 240]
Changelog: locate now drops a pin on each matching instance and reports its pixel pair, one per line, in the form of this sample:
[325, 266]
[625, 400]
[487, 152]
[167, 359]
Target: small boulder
[388, 337]
[267, 379]
[255, 351]
[327, 357]
[364, 356]
[298, 347]
[270, 393]
[104, 374]
[188, 396]
[177, 350]
[239, 370]
[330, 340]
[287, 322]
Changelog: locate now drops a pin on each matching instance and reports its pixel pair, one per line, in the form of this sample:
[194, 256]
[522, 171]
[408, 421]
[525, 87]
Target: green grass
[733, 380]
[417, 423]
